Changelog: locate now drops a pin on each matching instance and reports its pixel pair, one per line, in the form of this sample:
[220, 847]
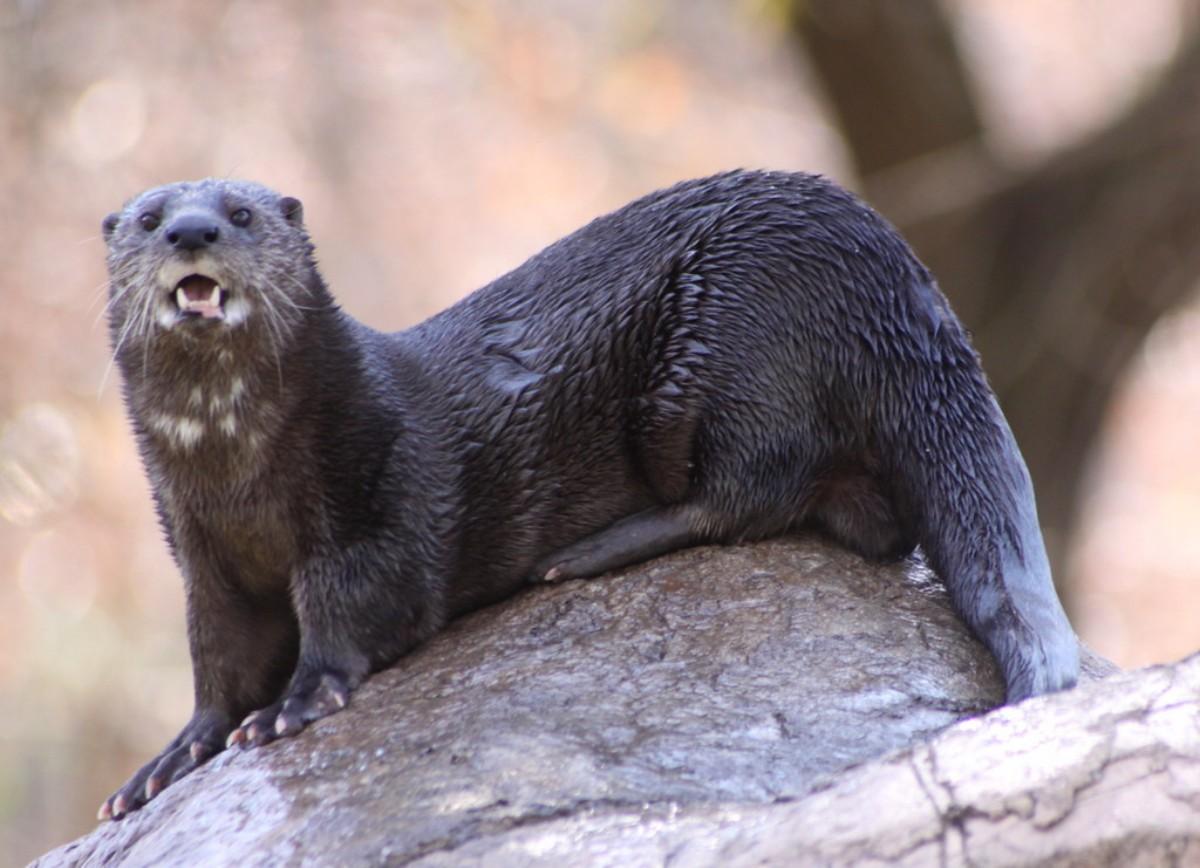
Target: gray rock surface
[1106, 775]
[688, 710]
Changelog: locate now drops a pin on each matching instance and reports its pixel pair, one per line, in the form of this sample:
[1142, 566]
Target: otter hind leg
[855, 512]
[630, 540]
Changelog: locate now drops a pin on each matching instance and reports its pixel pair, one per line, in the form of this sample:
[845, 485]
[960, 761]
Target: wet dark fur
[724, 360]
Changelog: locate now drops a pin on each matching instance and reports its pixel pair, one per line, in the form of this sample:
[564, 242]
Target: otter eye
[149, 221]
[240, 217]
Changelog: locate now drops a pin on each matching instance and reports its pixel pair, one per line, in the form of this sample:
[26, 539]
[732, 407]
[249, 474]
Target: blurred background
[1042, 155]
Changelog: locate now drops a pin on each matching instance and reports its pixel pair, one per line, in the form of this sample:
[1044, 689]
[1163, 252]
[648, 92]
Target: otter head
[192, 262]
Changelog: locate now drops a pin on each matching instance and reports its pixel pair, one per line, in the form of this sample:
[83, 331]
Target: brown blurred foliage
[1061, 264]
[436, 144]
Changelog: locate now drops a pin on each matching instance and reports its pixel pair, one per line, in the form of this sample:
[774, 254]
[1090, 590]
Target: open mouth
[198, 295]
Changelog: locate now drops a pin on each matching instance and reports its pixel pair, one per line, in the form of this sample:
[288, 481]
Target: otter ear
[292, 210]
[109, 226]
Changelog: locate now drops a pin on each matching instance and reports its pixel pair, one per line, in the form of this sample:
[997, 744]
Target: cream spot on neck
[183, 432]
[218, 402]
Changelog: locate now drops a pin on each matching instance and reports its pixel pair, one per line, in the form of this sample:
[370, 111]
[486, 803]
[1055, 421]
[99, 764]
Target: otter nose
[192, 232]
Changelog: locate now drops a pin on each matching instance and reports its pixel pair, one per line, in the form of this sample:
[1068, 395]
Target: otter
[725, 360]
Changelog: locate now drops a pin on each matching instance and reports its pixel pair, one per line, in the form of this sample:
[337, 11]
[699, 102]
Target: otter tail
[964, 487]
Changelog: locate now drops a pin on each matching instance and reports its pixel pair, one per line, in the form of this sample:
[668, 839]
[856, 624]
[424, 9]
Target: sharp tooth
[215, 297]
[181, 298]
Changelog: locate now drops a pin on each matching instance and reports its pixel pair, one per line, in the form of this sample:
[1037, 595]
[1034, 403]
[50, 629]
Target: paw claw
[236, 737]
[105, 812]
[552, 575]
[120, 807]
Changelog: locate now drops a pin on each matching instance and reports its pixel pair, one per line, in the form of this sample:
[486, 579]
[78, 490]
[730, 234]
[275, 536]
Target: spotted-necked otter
[727, 359]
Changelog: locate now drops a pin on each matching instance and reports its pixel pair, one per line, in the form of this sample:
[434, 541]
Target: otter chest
[261, 543]
[251, 533]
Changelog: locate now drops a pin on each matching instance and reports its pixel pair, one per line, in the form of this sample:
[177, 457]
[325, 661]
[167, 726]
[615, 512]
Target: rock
[1106, 775]
[702, 708]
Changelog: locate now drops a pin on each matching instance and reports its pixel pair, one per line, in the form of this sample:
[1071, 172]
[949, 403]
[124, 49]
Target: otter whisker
[107, 371]
[128, 328]
[145, 321]
[275, 339]
[101, 293]
[113, 298]
[279, 293]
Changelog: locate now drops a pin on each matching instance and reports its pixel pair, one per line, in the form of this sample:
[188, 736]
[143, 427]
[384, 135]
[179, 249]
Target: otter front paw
[305, 702]
[199, 741]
